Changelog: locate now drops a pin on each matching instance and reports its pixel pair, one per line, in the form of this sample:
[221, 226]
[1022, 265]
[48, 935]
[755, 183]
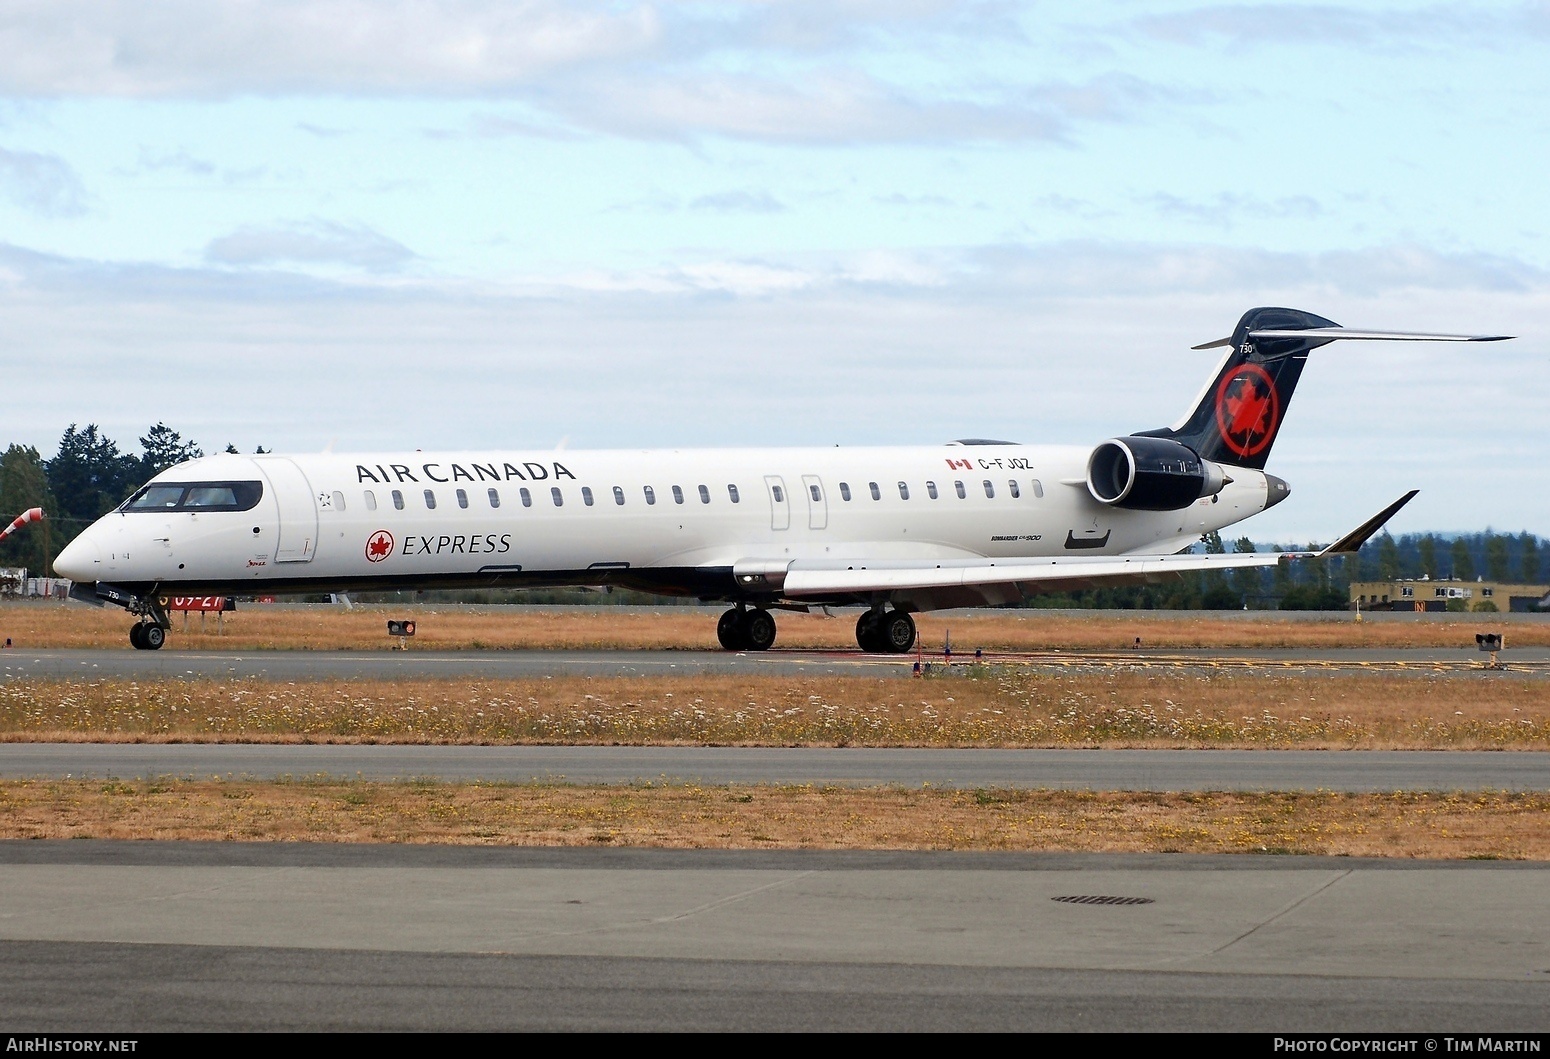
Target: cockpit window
[196, 496]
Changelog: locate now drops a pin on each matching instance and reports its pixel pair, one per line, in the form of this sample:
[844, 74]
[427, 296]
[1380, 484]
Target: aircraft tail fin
[1235, 419]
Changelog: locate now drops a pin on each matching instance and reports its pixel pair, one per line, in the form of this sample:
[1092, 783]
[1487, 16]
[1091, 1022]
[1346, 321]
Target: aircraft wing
[1044, 573]
[1035, 574]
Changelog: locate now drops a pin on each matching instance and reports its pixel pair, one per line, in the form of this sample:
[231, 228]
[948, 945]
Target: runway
[1125, 770]
[139, 937]
[507, 665]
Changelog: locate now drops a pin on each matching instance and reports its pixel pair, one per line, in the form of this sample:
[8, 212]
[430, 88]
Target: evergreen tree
[1388, 558]
[163, 447]
[1463, 563]
[1498, 564]
[1530, 562]
[89, 476]
[24, 485]
[1427, 547]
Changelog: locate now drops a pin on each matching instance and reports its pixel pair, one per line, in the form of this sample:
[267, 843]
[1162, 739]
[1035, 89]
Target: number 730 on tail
[893, 531]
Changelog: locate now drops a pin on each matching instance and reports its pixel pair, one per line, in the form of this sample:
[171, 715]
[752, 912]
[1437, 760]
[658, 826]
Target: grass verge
[1447, 826]
[982, 706]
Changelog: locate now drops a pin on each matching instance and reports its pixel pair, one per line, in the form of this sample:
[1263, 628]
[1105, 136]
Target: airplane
[896, 531]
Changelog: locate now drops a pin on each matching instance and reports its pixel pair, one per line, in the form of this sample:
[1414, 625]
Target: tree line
[87, 477]
[1324, 584]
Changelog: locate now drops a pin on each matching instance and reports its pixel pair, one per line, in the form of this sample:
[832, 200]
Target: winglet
[1354, 540]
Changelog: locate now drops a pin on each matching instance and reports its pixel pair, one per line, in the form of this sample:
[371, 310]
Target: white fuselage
[673, 520]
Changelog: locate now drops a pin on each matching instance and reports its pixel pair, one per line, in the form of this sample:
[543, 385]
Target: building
[1425, 594]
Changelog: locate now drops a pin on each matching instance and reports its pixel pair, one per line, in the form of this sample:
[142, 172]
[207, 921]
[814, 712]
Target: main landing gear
[885, 632]
[746, 630]
[147, 636]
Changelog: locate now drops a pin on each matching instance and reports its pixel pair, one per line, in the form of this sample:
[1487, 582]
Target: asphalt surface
[490, 665]
[140, 937]
[1132, 770]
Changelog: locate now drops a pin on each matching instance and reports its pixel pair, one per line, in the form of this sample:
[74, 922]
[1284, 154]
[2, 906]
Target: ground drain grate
[1098, 899]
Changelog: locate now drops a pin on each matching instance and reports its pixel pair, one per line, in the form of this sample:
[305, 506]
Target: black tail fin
[1240, 411]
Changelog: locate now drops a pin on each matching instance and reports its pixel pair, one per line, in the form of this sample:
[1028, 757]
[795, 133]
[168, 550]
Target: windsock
[30, 515]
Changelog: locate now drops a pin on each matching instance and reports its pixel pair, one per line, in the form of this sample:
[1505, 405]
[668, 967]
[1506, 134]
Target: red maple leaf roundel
[1247, 410]
[379, 546]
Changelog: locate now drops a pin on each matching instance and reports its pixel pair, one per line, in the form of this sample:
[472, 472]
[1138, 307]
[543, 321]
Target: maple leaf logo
[379, 546]
[1247, 410]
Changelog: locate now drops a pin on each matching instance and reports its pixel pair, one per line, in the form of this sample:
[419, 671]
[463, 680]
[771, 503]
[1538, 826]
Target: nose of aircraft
[80, 560]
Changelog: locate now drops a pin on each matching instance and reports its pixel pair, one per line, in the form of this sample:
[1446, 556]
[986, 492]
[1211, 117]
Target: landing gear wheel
[730, 631]
[136, 636]
[898, 630]
[153, 636]
[759, 630]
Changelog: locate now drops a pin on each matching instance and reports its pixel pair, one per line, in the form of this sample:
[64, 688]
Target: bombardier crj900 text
[894, 530]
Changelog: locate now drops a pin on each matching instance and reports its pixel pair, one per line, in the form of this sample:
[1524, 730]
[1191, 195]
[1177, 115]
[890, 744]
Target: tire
[898, 632]
[153, 637]
[136, 638]
[730, 631]
[759, 630]
[869, 632]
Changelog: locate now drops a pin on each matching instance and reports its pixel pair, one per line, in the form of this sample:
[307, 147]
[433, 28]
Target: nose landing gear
[746, 630]
[885, 632]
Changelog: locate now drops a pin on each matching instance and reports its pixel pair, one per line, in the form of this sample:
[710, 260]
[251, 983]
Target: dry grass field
[43, 625]
[977, 706]
[1456, 826]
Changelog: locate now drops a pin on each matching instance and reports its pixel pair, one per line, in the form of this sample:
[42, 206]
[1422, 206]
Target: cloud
[311, 243]
[739, 202]
[1226, 208]
[1277, 25]
[149, 48]
[180, 160]
[41, 183]
[841, 107]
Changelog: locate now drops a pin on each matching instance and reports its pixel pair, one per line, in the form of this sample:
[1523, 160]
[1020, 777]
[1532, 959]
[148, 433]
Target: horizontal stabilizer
[1376, 336]
[1332, 333]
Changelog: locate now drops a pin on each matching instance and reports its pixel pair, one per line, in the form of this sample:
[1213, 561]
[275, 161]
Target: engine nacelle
[1151, 474]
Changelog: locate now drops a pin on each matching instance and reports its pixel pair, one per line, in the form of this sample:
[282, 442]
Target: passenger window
[778, 493]
[559, 500]
[959, 487]
[495, 498]
[1012, 485]
[618, 496]
[904, 491]
[931, 490]
[678, 495]
[462, 498]
[651, 495]
[1038, 489]
[813, 489]
[371, 500]
[990, 490]
[527, 497]
[430, 500]
[704, 495]
[338, 500]
[877, 494]
[398, 500]
[586, 495]
[845, 490]
[732, 492]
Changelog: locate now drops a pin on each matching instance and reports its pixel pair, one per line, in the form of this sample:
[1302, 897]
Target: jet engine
[1151, 474]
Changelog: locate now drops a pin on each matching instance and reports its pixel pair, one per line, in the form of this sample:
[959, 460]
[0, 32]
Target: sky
[460, 224]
